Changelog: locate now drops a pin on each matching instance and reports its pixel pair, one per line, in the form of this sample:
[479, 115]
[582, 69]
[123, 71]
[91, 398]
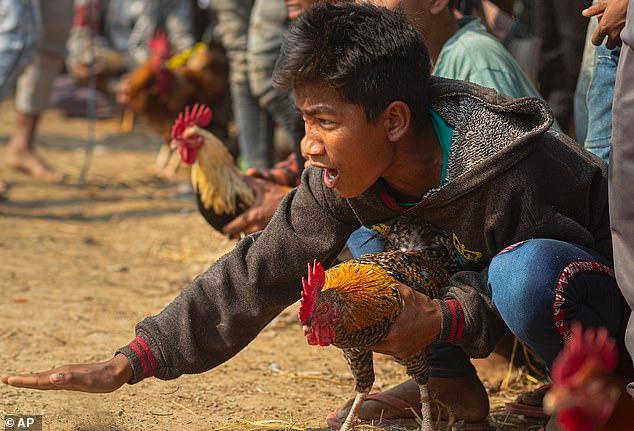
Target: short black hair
[370, 55]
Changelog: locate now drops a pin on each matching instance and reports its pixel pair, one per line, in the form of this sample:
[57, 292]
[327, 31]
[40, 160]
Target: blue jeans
[599, 102]
[364, 240]
[542, 285]
[255, 127]
[251, 32]
[583, 82]
[19, 28]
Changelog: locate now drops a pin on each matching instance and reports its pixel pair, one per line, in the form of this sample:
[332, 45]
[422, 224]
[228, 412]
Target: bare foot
[466, 397]
[32, 164]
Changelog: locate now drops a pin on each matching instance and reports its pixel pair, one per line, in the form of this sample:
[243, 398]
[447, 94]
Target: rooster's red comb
[160, 44]
[591, 344]
[199, 115]
[311, 289]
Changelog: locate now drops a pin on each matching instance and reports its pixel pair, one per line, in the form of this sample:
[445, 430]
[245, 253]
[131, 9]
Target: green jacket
[508, 180]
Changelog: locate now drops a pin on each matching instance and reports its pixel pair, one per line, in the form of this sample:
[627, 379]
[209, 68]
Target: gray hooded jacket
[508, 179]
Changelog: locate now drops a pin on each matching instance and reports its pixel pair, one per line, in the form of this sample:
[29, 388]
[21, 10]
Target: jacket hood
[492, 132]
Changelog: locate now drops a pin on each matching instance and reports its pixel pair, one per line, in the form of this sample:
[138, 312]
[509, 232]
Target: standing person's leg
[570, 26]
[621, 192]
[580, 110]
[269, 21]
[599, 101]
[255, 127]
[560, 26]
[541, 286]
[34, 88]
[18, 32]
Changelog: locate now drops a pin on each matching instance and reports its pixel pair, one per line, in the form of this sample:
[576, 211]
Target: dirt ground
[79, 266]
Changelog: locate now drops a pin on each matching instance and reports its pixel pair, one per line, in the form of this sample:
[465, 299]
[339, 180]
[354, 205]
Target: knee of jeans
[523, 291]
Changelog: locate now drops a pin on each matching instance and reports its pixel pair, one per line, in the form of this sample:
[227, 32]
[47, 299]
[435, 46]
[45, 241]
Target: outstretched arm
[225, 307]
[100, 377]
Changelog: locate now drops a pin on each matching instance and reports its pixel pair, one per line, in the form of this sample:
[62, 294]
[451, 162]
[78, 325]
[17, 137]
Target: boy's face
[353, 152]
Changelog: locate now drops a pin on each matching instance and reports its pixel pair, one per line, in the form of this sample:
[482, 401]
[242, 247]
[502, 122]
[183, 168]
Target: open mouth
[330, 177]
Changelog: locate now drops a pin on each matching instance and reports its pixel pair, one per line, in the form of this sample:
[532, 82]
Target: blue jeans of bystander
[599, 102]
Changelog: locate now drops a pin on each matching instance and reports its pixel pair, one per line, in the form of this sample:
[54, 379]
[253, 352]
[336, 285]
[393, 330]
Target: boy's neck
[417, 164]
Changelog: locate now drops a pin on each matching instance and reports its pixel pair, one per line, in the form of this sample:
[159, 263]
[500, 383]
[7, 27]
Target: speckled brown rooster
[353, 305]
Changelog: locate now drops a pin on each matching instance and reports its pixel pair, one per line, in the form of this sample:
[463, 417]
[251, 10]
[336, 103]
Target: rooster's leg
[425, 402]
[354, 411]
[362, 368]
[417, 369]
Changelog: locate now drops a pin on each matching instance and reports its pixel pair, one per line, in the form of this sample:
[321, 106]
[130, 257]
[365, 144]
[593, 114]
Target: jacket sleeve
[469, 317]
[225, 307]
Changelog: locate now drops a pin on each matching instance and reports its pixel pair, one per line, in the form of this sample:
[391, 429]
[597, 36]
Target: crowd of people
[496, 121]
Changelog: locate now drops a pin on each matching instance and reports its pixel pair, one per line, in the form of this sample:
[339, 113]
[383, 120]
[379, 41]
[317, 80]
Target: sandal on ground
[406, 416]
[520, 407]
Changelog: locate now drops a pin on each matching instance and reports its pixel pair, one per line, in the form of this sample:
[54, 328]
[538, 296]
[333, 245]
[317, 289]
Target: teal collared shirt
[474, 55]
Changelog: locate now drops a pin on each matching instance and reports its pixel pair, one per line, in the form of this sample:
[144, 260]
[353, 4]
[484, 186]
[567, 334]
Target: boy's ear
[398, 118]
[438, 6]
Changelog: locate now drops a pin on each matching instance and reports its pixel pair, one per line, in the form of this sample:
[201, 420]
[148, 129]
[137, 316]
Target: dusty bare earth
[79, 266]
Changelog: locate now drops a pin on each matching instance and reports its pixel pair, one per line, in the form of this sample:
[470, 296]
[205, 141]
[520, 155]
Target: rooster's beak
[173, 145]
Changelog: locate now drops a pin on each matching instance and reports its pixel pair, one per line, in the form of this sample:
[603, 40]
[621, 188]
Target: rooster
[221, 190]
[585, 394]
[164, 85]
[353, 304]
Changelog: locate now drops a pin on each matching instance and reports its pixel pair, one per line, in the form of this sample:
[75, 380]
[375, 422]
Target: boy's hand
[268, 196]
[611, 15]
[416, 327]
[101, 377]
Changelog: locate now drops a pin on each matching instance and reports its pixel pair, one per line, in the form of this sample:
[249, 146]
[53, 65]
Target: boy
[361, 76]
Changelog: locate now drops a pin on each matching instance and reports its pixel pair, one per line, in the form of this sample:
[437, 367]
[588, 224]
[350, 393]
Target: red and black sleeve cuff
[452, 321]
[141, 359]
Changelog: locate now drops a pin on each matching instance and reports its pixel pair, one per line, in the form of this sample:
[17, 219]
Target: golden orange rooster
[353, 305]
[164, 85]
[585, 393]
[221, 190]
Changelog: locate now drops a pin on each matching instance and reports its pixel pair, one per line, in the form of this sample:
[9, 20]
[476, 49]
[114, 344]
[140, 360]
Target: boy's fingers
[598, 36]
[31, 381]
[237, 225]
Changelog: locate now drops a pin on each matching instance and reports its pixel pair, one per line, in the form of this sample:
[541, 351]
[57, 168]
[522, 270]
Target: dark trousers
[561, 28]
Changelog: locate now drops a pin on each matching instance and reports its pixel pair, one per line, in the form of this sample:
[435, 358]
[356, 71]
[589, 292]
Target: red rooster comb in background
[589, 345]
[311, 289]
[160, 45]
[199, 115]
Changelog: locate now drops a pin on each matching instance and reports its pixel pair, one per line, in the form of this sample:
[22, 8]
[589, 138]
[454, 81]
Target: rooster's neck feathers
[365, 294]
[216, 178]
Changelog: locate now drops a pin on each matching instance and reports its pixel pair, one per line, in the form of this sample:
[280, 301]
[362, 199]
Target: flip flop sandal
[528, 410]
[407, 418]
